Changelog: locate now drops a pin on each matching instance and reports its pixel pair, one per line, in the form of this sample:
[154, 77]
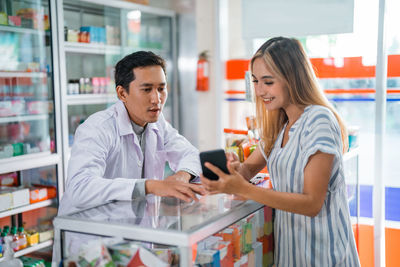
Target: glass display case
[154, 220]
[30, 136]
[94, 36]
[27, 114]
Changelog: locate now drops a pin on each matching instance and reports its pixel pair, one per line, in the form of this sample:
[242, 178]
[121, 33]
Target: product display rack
[191, 222]
[84, 60]
[29, 79]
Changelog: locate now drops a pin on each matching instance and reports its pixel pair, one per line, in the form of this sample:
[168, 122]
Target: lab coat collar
[124, 122]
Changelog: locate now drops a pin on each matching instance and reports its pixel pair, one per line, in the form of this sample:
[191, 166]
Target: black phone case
[217, 158]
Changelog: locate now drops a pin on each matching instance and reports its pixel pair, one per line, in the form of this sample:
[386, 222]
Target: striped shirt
[326, 239]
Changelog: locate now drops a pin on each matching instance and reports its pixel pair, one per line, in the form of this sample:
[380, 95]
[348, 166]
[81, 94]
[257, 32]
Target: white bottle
[8, 257]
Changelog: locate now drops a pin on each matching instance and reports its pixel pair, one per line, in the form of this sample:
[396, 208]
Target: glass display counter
[157, 220]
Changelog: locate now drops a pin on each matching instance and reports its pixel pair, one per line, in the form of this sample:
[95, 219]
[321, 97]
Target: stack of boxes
[247, 243]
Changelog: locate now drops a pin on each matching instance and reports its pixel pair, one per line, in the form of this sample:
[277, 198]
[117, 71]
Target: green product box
[18, 149]
[3, 18]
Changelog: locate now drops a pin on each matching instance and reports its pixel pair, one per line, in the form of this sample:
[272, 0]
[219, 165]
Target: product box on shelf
[9, 179]
[37, 194]
[20, 195]
[32, 236]
[5, 201]
[14, 21]
[3, 18]
[45, 235]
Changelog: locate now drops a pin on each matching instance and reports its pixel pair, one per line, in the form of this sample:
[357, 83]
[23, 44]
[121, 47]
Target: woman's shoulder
[319, 113]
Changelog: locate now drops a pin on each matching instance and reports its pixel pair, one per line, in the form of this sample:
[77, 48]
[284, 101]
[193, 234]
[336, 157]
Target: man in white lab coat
[120, 153]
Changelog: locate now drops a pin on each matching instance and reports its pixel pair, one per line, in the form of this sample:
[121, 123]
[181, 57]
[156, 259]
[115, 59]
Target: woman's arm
[316, 178]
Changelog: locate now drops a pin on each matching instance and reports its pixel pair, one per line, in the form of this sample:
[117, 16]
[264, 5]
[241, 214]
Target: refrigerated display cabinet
[94, 35]
[30, 128]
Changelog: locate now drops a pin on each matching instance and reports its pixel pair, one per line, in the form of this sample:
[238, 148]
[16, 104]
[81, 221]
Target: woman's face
[268, 88]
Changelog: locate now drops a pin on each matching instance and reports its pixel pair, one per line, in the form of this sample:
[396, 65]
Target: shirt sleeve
[86, 184]
[322, 133]
[140, 189]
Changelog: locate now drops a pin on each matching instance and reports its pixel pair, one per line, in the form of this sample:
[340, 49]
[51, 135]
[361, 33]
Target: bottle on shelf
[22, 242]
[15, 238]
[8, 256]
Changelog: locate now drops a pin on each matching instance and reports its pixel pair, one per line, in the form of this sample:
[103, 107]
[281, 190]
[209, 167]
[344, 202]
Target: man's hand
[181, 176]
[173, 188]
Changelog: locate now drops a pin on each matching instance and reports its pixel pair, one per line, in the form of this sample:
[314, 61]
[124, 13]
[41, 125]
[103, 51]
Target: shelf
[31, 249]
[34, 206]
[88, 48]
[29, 161]
[22, 74]
[24, 118]
[85, 99]
[21, 30]
[130, 50]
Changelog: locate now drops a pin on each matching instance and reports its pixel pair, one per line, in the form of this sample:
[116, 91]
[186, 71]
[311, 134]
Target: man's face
[147, 94]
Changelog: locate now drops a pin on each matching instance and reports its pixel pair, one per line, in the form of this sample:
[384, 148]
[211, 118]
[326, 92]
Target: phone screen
[217, 158]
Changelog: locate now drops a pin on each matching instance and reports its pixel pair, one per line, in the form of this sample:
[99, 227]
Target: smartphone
[215, 157]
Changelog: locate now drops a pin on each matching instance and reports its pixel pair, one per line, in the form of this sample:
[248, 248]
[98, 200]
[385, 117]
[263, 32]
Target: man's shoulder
[104, 119]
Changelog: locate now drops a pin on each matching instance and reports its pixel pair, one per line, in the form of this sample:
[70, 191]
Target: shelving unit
[88, 60]
[28, 49]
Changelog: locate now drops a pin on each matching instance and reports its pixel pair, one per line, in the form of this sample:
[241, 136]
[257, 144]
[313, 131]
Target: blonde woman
[302, 142]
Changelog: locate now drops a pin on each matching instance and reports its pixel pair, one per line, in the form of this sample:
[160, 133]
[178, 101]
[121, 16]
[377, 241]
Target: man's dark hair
[124, 69]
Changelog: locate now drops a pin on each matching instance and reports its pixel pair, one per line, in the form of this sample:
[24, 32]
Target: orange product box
[51, 190]
[233, 235]
[37, 194]
[225, 253]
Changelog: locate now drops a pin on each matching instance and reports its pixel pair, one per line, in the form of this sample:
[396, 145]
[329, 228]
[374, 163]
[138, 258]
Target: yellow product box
[32, 237]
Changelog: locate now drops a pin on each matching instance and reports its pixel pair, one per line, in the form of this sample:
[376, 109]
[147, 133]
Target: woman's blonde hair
[286, 59]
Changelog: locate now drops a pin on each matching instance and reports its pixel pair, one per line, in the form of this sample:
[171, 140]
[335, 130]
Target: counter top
[159, 219]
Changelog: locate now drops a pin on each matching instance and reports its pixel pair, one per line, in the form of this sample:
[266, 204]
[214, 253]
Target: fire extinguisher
[203, 72]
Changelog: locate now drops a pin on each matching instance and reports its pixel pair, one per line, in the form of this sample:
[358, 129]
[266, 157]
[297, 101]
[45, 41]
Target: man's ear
[121, 93]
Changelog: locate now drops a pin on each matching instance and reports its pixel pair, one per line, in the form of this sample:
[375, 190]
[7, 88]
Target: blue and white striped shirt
[326, 239]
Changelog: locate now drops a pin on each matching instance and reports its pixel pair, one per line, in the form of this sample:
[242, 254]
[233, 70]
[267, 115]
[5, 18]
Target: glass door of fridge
[91, 46]
[96, 35]
[27, 117]
[143, 30]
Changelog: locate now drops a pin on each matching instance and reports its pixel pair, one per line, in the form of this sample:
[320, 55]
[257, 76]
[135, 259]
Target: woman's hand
[232, 183]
